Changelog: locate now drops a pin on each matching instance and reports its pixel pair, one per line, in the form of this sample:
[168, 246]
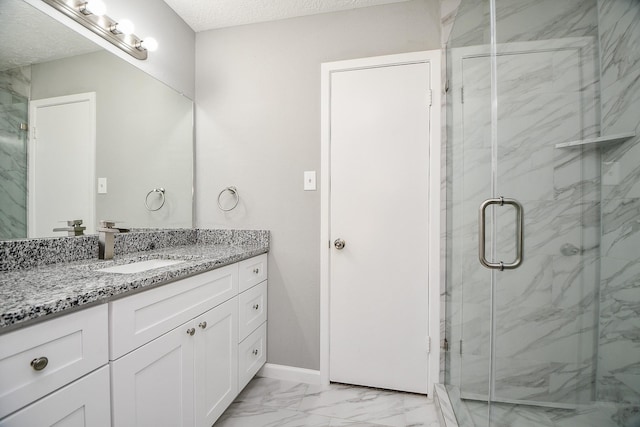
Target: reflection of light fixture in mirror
[90, 14]
[93, 7]
[149, 44]
[124, 26]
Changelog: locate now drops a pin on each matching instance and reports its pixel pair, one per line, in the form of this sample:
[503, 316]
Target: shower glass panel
[13, 164]
[553, 342]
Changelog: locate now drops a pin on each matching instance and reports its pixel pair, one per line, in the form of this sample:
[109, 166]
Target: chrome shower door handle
[519, 234]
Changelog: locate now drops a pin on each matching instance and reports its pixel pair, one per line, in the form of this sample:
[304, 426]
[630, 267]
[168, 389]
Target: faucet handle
[106, 223]
[74, 222]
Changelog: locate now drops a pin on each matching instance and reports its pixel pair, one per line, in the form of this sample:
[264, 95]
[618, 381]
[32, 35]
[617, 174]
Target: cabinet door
[153, 385]
[83, 403]
[216, 361]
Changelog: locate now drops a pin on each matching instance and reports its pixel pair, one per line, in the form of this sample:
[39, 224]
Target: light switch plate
[309, 180]
[102, 185]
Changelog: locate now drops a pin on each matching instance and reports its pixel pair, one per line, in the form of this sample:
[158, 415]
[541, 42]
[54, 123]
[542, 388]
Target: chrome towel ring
[155, 190]
[234, 192]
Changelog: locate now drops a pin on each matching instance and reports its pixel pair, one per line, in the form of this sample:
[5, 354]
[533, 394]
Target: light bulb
[94, 7]
[149, 44]
[125, 26]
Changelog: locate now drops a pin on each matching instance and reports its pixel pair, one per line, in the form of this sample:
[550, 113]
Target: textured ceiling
[28, 36]
[202, 15]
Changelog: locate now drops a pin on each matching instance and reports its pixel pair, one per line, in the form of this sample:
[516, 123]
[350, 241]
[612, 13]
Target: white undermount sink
[140, 266]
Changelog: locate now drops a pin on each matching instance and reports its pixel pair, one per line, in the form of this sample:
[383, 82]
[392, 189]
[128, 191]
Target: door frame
[433, 58]
[90, 99]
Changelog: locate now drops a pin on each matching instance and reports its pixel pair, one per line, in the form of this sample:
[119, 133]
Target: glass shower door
[554, 341]
[544, 311]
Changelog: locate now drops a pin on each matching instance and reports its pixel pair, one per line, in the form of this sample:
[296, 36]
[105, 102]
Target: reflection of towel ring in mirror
[232, 190]
[155, 190]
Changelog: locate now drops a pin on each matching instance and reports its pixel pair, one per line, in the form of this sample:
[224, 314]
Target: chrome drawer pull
[191, 331]
[203, 325]
[39, 363]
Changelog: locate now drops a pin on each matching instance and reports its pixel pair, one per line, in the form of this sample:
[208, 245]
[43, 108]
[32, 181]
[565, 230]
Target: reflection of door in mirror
[13, 165]
[62, 163]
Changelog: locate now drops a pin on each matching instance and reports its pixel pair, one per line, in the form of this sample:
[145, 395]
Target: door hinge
[462, 94]
[460, 346]
[34, 133]
[430, 97]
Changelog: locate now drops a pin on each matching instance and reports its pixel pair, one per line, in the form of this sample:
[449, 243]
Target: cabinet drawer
[84, 402]
[253, 354]
[73, 345]
[140, 318]
[252, 309]
[252, 271]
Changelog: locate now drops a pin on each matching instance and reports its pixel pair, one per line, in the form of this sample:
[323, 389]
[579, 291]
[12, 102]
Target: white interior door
[62, 163]
[379, 206]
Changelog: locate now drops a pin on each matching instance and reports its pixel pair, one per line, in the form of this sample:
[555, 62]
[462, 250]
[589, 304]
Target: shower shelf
[602, 140]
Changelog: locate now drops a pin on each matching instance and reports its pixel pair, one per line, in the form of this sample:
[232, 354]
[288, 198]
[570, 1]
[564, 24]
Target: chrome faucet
[106, 238]
[74, 228]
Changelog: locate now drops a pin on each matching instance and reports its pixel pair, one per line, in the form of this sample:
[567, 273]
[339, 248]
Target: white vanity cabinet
[50, 361]
[252, 301]
[186, 371]
[173, 355]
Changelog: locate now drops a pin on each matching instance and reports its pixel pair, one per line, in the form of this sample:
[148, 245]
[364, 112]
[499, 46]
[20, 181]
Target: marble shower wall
[618, 378]
[14, 95]
[547, 93]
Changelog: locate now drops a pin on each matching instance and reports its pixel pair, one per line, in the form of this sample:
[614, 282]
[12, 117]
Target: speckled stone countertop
[38, 293]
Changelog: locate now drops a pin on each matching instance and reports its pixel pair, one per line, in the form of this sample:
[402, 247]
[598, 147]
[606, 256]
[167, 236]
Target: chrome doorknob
[339, 244]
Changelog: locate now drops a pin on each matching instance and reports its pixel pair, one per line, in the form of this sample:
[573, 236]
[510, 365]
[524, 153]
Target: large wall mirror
[85, 135]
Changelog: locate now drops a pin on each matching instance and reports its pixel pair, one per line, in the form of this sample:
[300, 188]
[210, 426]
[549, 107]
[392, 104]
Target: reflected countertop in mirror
[142, 136]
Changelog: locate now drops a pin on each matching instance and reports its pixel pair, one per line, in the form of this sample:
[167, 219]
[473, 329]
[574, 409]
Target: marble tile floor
[266, 402]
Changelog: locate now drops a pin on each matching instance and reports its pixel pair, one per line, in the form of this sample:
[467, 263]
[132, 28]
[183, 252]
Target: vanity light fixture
[148, 43]
[93, 7]
[125, 27]
[91, 15]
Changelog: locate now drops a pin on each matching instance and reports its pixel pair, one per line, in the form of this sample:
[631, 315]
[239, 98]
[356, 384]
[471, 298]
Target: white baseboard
[289, 373]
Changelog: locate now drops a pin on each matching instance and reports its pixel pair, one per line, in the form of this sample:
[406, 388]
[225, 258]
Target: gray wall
[258, 128]
[173, 62]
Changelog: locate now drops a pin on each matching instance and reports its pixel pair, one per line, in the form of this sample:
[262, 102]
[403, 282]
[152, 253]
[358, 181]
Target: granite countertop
[37, 293]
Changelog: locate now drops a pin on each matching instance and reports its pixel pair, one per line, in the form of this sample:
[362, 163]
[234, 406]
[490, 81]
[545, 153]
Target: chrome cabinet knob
[203, 325]
[256, 270]
[39, 363]
[191, 331]
[255, 352]
[339, 244]
[256, 306]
